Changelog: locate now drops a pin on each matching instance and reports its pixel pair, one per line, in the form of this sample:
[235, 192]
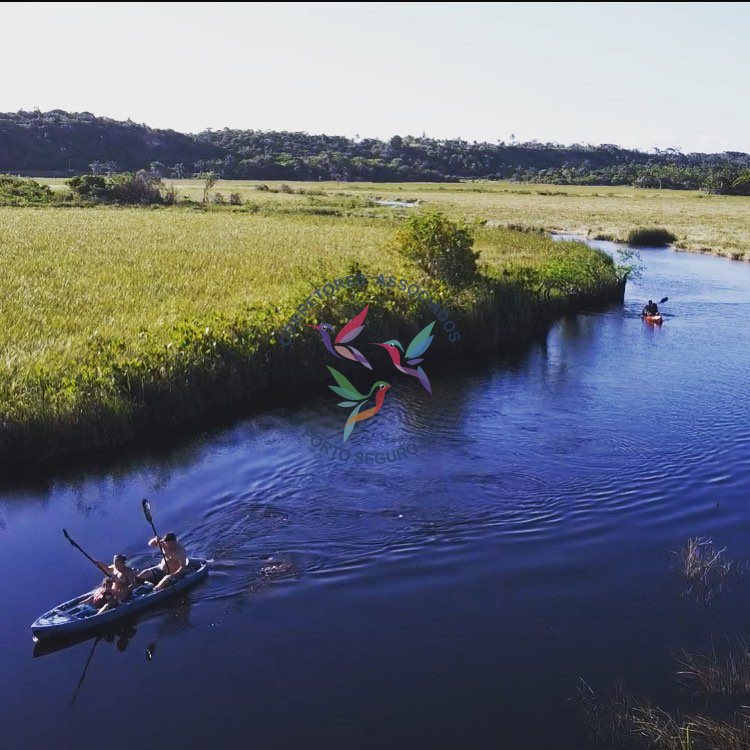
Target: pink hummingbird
[340, 347]
[418, 346]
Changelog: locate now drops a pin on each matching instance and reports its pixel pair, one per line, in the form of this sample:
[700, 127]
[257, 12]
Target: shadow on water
[164, 453]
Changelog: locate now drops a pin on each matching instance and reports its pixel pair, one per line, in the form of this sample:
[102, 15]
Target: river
[449, 599]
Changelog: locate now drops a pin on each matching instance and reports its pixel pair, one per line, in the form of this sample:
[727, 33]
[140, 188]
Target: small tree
[630, 264]
[209, 180]
[440, 246]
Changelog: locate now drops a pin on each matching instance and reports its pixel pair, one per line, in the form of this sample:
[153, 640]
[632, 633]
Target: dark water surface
[448, 600]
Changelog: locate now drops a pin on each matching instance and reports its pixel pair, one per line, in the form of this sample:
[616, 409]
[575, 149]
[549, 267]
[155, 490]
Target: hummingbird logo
[419, 345]
[340, 346]
[356, 399]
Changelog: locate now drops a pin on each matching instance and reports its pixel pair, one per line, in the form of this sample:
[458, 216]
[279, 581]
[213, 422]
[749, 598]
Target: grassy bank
[701, 222]
[118, 321]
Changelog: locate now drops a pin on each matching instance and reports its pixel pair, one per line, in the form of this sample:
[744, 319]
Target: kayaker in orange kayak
[650, 309]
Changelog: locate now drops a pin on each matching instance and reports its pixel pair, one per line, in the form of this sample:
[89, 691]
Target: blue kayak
[75, 616]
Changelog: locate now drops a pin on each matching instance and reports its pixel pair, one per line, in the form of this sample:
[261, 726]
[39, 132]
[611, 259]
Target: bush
[219, 199]
[90, 186]
[741, 186]
[650, 237]
[573, 269]
[141, 188]
[16, 191]
[440, 246]
[170, 195]
[235, 199]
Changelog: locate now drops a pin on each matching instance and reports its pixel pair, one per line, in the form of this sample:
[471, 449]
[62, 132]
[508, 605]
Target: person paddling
[123, 576]
[171, 567]
[651, 308]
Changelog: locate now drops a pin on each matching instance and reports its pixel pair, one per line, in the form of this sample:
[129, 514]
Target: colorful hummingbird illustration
[418, 346]
[357, 399]
[340, 347]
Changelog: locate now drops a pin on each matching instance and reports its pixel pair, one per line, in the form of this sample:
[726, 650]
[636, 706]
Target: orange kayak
[656, 319]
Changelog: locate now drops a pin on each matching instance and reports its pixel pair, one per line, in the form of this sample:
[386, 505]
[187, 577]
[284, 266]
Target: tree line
[75, 143]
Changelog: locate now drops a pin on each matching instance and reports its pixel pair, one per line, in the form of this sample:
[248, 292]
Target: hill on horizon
[59, 143]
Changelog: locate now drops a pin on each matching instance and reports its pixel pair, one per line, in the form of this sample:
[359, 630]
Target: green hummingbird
[357, 399]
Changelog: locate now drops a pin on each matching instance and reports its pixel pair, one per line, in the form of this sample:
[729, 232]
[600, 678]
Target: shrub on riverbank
[441, 247]
[650, 237]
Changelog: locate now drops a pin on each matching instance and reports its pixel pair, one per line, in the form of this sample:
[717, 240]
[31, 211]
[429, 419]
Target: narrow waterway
[452, 598]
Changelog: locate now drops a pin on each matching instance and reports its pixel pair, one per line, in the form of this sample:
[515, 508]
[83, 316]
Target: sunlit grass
[70, 272]
[711, 674]
[705, 569]
[701, 222]
[115, 318]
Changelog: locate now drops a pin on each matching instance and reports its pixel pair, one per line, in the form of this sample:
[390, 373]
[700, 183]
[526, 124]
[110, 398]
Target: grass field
[702, 222]
[118, 271]
[112, 314]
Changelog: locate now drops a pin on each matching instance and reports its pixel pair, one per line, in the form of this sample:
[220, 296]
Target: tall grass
[631, 722]
[704, 568]
[711, 674]
[699, 221]
[119, 320]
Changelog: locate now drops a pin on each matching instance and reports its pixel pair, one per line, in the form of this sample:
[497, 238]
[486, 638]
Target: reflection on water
[449, 599]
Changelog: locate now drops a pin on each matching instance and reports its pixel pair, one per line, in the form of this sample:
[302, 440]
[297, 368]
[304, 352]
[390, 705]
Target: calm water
[448, 600]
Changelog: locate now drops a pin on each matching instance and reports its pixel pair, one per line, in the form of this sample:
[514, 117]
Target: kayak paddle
[85, 554]
[660, 302]
[149, 517]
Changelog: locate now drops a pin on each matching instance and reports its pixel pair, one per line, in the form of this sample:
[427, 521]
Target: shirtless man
[162, 575]
[123, 576]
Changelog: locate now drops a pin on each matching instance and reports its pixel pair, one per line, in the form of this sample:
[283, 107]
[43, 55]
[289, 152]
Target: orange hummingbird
[357, 399]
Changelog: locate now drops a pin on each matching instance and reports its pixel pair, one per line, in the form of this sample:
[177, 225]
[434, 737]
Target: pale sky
[665, 75]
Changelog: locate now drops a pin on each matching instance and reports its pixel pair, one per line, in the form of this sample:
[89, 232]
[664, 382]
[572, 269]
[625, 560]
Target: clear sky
[665, 75]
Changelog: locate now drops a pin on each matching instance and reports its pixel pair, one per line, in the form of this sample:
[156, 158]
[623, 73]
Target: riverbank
[122, 322]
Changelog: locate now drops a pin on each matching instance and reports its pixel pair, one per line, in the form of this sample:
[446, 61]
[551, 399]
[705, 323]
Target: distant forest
[59, 143]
